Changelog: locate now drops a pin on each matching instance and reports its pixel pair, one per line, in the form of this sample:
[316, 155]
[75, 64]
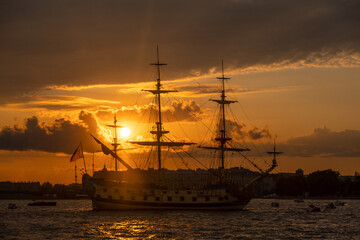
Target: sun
[124, 132]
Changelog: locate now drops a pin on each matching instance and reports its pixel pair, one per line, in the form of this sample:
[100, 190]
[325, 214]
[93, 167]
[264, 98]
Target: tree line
[318, 184]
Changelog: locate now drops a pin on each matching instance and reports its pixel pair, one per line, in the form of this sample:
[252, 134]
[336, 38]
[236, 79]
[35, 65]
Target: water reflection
[129, 229]
[124, 229]
[76, 220]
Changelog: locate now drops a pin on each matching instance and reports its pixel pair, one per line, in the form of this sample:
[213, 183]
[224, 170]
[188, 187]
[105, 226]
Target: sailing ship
[160, 188]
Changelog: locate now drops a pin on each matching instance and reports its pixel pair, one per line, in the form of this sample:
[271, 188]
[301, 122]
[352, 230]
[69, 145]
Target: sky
[65, 66]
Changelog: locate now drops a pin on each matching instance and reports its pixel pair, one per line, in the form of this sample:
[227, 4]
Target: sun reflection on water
[128, 229]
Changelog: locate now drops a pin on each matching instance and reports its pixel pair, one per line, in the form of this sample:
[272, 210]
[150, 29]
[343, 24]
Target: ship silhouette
[160, 188]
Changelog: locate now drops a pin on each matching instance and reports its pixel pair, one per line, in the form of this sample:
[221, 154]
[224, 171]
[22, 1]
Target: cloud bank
[179, 110]
[324, 143]
[62, 136]
[240, 132]
[79, 43]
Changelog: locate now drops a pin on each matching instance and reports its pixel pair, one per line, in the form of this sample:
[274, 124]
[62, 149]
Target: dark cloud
[64, 42]
[61, 136]
[89, 120]
[257, 133]
[183, 111]
[61, 102]
[239, 132]
[324, 142]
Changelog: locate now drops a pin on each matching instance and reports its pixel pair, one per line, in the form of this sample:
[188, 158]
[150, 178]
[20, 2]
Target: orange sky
[66, 66]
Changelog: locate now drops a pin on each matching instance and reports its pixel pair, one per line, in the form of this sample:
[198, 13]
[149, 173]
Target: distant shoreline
[309, 198]
[46, 199]
[270, 198]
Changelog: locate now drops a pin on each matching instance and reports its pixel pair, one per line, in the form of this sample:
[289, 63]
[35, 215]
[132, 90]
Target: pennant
[77, 154]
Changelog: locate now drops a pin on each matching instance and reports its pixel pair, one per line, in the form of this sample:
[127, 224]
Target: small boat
[339, 203]
[12, 206]
[312, 208]
[299, 200]
[330, 206]
[275, 204]
[42, 204]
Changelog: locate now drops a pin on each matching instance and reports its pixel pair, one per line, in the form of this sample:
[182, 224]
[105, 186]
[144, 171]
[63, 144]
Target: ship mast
[159, 132]
[115, 143]
[274, 153]
[223, 139]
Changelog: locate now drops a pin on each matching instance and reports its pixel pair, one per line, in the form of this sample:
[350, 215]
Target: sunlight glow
[124, 132]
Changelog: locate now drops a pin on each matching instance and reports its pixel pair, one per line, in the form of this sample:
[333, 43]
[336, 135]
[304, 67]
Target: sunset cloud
[239, 131]
[61, 136]
[201, 90]
[66, 66]
[183, 111]
[323, 142]
[84, 43]
[179, 110]
[62, 102]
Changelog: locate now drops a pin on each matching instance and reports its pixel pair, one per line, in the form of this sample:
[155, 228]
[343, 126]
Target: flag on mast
[77, 154]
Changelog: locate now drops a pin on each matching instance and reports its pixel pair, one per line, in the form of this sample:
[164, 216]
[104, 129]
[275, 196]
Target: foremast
[223, 138]
[159, 132]
[108, 151]
[115, 143]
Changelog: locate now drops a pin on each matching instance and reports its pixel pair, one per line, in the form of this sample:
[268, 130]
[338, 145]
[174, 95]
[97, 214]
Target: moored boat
[313, 208]
[12, 206]
[330, 205]
[41, 203]
[339, 203]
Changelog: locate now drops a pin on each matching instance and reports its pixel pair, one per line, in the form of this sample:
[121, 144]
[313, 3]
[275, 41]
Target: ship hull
[179, 191]
[123, 197]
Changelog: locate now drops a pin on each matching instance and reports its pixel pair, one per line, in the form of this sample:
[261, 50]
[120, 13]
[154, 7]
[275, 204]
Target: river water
[74, 219]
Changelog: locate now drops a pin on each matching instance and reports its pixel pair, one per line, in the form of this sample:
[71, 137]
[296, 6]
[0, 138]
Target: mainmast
[223, 139]
[159, 125]
[159, 129]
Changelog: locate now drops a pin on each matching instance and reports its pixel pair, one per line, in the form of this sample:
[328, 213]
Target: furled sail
[107, 151]
[163, 144]
[226, 149]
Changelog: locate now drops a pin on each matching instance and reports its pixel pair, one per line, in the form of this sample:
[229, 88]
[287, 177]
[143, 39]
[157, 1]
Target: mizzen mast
[274, 153]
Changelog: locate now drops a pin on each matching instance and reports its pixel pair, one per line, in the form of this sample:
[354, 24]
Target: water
[74, 219]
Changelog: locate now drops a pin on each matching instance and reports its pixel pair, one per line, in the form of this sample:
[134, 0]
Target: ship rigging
[167, 189]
